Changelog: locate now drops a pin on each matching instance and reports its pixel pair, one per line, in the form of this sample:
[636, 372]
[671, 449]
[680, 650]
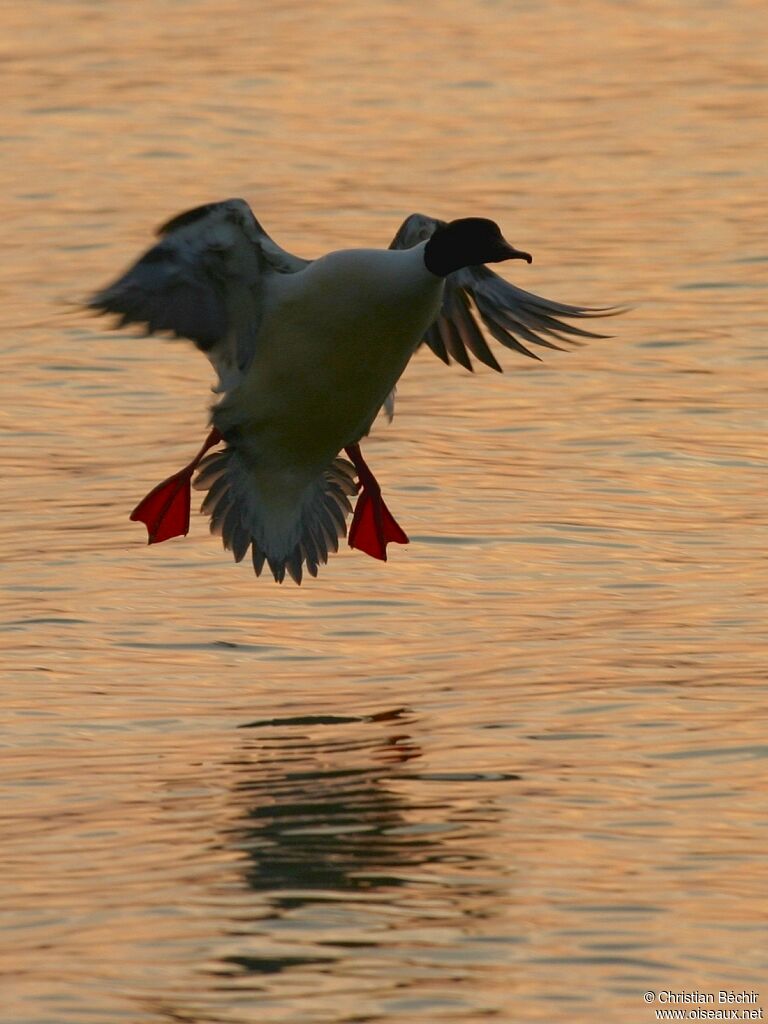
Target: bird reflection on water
[344, 870]
[328, 828]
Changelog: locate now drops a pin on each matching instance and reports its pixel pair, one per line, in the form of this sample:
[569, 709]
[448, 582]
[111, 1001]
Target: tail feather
[258, 560]
[290, 537]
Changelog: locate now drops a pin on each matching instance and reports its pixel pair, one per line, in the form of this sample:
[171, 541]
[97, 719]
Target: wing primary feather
[203, 281]
[509, 340]
[435, 342]
[509, 314]
[465, 329]
[511, 296]
[457, 339]
[475, 340]
[502, 325]
[541, 321]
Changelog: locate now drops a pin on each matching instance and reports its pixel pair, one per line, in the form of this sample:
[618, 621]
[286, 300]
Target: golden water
[518, 773]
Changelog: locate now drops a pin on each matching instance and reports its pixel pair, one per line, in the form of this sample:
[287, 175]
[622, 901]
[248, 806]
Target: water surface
[517, 773]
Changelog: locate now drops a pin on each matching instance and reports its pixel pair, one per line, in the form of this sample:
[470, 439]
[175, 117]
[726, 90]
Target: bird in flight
[307, 353]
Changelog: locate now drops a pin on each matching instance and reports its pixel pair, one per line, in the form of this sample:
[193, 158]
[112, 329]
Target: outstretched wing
[203, 280]
[512, 316]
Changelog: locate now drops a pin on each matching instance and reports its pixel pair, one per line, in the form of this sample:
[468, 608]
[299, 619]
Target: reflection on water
[322, 828]
[344, 874]
[516, 773]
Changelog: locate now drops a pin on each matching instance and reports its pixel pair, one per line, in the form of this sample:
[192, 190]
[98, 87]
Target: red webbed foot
[373, 525]
[165, 510]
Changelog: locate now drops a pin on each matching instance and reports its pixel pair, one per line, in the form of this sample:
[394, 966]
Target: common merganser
[307, 353]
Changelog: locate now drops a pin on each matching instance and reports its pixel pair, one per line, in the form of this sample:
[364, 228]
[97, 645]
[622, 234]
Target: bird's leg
[373, 525]
[165, 510]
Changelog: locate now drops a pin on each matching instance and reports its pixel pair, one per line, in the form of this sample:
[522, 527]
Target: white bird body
[333, 342]
[307, 354]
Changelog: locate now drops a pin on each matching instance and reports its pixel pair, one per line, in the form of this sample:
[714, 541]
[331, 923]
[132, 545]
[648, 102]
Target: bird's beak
[509, 252]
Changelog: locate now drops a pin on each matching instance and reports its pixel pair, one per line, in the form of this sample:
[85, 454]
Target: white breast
[334, 340]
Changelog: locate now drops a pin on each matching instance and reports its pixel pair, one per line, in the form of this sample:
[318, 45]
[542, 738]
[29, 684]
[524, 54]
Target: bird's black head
[468, 242]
